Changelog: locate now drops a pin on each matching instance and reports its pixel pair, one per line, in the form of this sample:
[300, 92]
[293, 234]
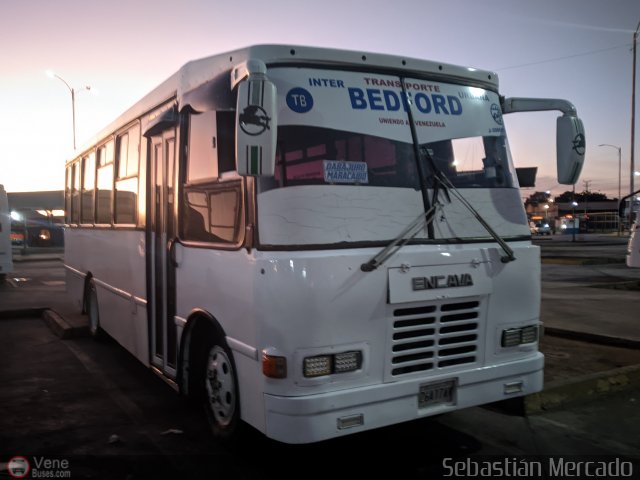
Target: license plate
[436, 394]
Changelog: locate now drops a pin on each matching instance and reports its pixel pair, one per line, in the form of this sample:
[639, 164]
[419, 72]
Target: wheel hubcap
[220, 386]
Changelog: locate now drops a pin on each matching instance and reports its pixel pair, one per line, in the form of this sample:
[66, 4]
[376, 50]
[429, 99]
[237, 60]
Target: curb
[56, 322]
[592, 338]
[37, 258]
[559, 393]
[61, 328]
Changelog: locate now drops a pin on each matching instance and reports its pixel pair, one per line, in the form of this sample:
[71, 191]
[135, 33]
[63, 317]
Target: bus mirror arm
[570, 138]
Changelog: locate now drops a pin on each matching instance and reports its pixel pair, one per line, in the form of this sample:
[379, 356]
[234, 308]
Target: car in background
[542, 228]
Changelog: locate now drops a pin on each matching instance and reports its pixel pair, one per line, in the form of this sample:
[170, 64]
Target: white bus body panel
[116, 260]
[315, 417]
[306, 303]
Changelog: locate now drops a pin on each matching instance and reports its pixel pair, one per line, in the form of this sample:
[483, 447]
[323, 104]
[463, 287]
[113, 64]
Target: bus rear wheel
[220, 392]
[91, 303]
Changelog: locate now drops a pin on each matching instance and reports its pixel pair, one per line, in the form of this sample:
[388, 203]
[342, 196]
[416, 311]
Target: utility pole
[586, 202]
[573, 213]
[633, 126]
[73, 101]
[619, 179]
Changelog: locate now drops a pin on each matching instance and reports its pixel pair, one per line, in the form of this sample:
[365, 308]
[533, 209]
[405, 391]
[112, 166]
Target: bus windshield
[319, 156]
[340, 129]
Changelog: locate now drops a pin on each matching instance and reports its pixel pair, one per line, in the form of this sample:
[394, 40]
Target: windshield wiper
[437, 173]
[509, 255]
[401, 240]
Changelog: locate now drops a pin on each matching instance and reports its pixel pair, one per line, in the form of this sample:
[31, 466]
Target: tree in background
[581, 197]
[537, 198]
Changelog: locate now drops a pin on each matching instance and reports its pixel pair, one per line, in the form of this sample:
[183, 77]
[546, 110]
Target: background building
[37, 220]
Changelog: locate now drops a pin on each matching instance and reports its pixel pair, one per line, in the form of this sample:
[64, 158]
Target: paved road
[95, 405]
[34, 284]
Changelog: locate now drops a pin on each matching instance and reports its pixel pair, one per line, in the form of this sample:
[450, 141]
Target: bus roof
[195, 83]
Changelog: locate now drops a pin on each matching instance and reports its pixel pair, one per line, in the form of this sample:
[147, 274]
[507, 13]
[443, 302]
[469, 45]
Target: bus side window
[104, 184]
[203, 147]
[226, 141]
[211, 145]
[128, 153]
[213, 213]
[88, 184]
[75, 193]
[67, 194]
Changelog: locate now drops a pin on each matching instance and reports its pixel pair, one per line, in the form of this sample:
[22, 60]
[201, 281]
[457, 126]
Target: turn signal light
[273, 366]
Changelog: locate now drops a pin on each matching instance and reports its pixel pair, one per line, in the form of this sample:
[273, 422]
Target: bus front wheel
[220, 392]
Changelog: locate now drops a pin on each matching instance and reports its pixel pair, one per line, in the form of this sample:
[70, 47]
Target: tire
[93, 312]
[219, 392]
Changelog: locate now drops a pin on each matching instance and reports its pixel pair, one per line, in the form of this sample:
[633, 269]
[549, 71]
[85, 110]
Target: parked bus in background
[6, 255]
[315, 242]
[633, 248]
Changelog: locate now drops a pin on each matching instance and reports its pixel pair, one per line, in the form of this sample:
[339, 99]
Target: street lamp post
[619, 176]
[633, 122]
[73, 100]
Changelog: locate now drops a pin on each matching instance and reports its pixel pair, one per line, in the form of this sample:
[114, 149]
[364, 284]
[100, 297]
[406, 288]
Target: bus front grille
[434, 337]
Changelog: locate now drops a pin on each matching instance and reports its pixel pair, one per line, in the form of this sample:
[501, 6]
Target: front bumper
[313, 418]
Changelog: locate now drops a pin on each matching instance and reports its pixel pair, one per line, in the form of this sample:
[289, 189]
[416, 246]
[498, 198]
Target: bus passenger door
[161, 284]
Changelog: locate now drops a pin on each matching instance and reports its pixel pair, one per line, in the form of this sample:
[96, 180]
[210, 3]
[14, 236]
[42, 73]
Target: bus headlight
[317, 366]
[320, 365]
[529, 334]
[513, 337]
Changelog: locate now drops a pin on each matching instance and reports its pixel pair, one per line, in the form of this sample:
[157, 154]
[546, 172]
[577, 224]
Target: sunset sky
[574, 49]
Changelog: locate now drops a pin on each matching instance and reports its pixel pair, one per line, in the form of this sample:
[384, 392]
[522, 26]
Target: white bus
[315, 242]
[6, 255]
[633, 248]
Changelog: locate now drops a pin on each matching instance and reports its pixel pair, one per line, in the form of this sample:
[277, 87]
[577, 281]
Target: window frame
[235, 183]
[129, 132]
[83, 161]
[100, 166]
[76, 192]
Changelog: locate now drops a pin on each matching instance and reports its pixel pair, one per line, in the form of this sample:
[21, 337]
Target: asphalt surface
[589, 303]
[96, 406]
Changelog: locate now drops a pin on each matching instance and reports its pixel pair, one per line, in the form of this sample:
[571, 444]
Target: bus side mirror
[256, 120]
[570, 145]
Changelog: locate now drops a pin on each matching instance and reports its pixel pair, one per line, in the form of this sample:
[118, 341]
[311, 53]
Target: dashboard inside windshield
[309, 155]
